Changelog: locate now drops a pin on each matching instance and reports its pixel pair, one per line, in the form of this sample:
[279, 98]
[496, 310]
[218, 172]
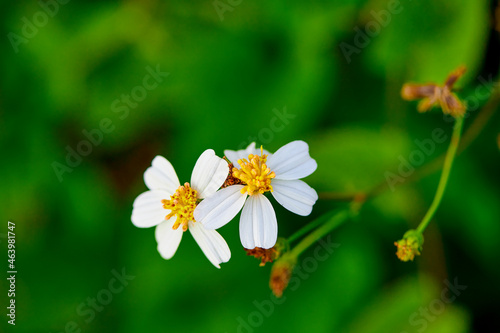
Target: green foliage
[429, 37]
[229, 82]
[356, 158]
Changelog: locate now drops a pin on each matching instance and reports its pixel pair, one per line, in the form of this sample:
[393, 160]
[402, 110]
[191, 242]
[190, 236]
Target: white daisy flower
[169, 206]
[278, 173]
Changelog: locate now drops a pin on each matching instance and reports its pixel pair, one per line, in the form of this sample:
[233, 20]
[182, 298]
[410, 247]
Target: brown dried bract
[432, 95]
[281, 273]
[279, 280]
[231, 180]
[265, 255]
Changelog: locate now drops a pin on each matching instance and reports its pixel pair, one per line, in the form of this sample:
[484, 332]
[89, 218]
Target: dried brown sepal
[265, 255]
[269, 255]
[412, 91]
[230, 179]
[452, 105]
[432, 95]
[454, 76]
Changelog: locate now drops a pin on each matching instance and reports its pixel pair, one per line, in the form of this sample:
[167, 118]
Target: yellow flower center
[182, 204]
[407, 249]
[254, 174]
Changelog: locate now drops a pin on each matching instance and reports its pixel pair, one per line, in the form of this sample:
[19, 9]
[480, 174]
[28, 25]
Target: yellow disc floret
[254, 174]
[410, 246]
[182, 204]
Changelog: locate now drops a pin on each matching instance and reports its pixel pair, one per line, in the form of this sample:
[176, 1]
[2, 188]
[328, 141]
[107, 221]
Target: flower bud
[281, 273]
[410, 246]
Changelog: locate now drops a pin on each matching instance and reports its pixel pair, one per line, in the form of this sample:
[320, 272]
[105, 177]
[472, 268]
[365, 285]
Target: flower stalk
[443, 181]
[310, 226]
[330, 222]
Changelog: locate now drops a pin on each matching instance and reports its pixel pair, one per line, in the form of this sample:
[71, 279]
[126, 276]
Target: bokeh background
[234, 66]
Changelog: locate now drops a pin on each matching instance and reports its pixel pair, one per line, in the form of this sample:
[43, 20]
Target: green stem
[448, 162]
[311, 225]
[332, 221]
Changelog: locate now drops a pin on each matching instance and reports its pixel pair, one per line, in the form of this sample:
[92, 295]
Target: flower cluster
[218, 191]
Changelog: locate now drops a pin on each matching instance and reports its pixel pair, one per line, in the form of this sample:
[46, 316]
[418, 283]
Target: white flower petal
[294, 195]
[168, 239]
[161, 176]
[235, 155]
[220, 208]
[292, 161]
[211, 243]
[148, 210]
[209, 173]
[258, 225]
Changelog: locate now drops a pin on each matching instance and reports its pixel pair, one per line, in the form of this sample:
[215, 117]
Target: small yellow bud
[410, 246]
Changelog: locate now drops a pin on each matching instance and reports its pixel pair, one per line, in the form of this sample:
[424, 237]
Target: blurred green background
[234, 66]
